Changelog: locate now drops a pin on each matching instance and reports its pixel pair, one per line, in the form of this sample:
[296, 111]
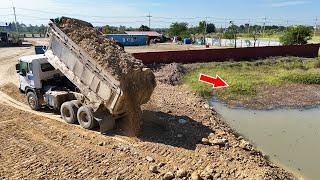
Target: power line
[82, 15]
[6, 14]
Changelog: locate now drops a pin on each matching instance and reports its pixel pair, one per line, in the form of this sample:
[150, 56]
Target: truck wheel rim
[32, 102]
[66, 112]
[84, 117]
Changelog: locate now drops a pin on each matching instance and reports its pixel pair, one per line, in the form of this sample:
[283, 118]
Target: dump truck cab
[33, 71]
[43, 84]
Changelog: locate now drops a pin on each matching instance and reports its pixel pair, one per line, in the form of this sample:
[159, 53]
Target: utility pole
[315, 26]
[264, 25]
[15, 17]
[249, 26]
[205, 29]
[149, 16]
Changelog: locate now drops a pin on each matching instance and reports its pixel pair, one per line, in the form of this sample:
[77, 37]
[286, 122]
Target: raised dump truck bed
[107, 97]
[79, 68]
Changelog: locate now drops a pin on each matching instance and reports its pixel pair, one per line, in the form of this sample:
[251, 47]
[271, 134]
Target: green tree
[255, 35]
[296, 35]
[232, 33]
[144, 28]
[179, 29]
[211, 28]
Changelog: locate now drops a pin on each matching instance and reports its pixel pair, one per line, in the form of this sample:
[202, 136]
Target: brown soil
[170, 74]
[44, 148]
[285, 96]
[107, 53]
[14, 92]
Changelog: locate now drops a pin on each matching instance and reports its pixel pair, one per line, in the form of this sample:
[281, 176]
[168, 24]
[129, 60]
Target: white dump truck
[68, 80]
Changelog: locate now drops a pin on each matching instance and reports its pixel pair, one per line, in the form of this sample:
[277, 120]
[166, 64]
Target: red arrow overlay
[217, 81]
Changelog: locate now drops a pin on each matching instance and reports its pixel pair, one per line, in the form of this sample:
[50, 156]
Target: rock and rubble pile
[170, 73]
[107, 53]
[136, 81]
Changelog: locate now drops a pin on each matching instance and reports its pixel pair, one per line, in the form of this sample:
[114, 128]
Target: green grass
[245, 77]
[315, 39]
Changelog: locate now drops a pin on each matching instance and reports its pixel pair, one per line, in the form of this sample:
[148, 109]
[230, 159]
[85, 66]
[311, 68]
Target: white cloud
[288, 3]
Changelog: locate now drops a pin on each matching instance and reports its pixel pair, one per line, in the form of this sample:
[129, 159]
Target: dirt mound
[170, 73]
[136, 81]
[107, 53]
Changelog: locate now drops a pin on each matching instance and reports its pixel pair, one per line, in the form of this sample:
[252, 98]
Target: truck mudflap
[106, 124]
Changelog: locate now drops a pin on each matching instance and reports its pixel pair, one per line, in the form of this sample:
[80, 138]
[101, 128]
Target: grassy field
[245, 77]
[315, 39]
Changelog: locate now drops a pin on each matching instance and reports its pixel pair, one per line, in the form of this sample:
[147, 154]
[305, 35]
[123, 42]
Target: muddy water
[291, 138]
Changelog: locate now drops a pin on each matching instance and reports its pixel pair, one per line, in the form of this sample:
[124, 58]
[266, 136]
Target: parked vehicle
[12, 39]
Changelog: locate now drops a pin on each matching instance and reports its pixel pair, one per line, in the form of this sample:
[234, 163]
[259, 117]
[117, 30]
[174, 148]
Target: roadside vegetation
[246, 77]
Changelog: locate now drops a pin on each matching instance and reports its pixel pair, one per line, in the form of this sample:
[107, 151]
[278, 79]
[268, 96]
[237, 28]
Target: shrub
[296, 35]
[309, 78]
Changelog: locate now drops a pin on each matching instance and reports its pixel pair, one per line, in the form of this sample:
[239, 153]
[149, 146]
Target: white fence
[240, 42]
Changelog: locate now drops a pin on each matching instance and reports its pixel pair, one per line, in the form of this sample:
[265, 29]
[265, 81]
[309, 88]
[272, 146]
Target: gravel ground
[179, 134]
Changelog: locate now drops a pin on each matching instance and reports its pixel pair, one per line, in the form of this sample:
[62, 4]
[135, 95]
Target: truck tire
[33, 101]
[85, 118]
[68, 112]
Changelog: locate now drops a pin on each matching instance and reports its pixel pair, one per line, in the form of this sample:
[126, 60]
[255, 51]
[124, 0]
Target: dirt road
[39, 145]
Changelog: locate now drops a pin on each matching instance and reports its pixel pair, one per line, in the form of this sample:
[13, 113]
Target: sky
[132, 13]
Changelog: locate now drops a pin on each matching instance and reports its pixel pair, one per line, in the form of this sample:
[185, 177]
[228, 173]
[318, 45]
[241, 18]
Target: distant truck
[66, 79]
[12, 39]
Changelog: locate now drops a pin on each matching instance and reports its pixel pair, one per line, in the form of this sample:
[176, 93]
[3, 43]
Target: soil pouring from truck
[69, 80]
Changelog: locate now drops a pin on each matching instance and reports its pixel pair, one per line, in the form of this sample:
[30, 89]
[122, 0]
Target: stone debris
[195, 176]
[219, 142]
[245, 145]
[205, 141]
[182, 173]
[170, 74]
[150, 159]
[168, 176]
[153, 169]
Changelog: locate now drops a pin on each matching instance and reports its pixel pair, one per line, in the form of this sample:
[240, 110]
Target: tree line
[23, 28]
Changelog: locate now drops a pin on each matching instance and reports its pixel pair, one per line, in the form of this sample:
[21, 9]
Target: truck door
[25, 75]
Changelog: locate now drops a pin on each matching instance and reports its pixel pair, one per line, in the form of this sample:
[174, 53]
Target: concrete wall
[240, 42]
[237, 54]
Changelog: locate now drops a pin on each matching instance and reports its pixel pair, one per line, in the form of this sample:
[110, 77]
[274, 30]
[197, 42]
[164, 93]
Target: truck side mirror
[23, 72]
[18, 68]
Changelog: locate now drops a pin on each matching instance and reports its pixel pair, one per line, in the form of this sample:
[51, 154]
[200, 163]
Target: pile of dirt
[136, 81]
[170, 74]
[13, 91]
[107, 53]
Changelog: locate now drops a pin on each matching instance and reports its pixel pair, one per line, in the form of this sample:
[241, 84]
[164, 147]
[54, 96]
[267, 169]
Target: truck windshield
[47, 67]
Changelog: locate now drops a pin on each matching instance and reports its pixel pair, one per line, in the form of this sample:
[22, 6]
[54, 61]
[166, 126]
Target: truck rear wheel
[69, 112]
[33, 101]
[85, 118]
